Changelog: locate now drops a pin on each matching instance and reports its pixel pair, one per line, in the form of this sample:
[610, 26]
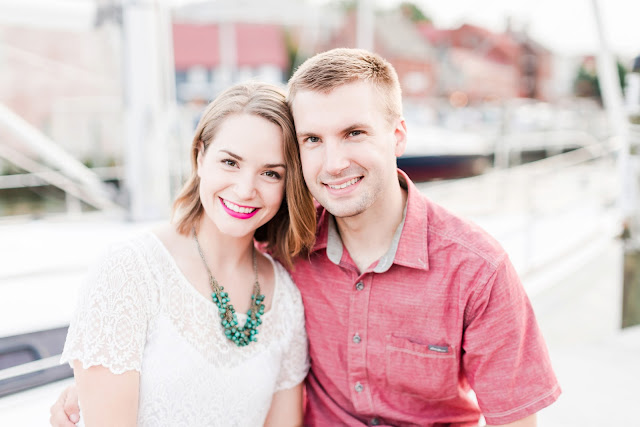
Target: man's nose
[335, 158]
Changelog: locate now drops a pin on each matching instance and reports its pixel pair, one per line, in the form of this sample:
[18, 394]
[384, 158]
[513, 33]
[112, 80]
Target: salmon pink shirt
[402, 343]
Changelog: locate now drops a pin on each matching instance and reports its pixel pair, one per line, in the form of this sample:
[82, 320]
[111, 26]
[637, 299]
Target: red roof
[498, 47]
[436, 36]
[257, 44]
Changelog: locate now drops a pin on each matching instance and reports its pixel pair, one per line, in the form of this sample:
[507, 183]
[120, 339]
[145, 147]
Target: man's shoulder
[448, 229]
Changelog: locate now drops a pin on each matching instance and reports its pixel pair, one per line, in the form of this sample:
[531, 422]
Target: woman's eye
[272, 174]
[229, 162]
[313, 139]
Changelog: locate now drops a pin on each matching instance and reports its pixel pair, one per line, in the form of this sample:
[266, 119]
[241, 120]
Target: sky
[567, 27]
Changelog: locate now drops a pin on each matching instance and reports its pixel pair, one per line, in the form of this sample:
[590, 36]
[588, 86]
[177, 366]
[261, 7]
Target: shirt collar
[408, 246]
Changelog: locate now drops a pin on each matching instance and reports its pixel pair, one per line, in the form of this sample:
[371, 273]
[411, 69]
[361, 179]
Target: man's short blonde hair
[329, 70]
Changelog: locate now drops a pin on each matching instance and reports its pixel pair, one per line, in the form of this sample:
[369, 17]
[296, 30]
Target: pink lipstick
[239, 215]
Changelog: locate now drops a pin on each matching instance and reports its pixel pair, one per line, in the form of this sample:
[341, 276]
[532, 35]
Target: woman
[161, 336]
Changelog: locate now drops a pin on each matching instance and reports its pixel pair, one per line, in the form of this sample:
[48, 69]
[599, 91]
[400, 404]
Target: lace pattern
[110, 323]
[138, 312]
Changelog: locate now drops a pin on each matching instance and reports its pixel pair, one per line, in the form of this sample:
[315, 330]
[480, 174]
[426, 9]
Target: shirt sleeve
[295, 360]
[109, 327]
[504, 355]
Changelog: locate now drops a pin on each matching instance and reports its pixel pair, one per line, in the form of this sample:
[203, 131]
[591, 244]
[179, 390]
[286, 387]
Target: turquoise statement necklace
[240, 335]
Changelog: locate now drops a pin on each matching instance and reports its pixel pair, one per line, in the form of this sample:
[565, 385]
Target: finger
[71, 408]
[58, 420]
[58, 416]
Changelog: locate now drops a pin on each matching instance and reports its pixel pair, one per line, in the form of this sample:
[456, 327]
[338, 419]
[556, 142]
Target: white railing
[542, 212]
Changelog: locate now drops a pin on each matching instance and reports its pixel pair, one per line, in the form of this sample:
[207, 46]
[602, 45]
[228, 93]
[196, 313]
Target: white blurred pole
[228, 54]
[365, 25]
[147, 101]
[614, 105]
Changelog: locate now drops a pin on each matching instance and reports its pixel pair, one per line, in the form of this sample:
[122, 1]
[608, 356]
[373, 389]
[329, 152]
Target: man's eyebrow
[355, 126]
[348, 129]
[301, 134]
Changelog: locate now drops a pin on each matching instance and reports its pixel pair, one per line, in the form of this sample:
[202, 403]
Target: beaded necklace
[240, 335]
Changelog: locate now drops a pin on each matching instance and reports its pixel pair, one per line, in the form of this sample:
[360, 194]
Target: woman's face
[242, 174]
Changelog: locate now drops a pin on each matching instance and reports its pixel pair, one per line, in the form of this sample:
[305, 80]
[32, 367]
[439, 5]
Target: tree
[586, 83]
[413, 12]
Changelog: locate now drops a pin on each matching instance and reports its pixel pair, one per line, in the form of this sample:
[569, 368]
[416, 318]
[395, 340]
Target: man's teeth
[237, 208]
[344, 185]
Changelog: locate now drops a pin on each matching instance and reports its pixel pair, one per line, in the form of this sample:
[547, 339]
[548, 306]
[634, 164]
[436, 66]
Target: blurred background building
[513, 130]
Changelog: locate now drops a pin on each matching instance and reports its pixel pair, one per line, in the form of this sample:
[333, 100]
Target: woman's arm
[286, 408]
[107, 399]
[529, 421]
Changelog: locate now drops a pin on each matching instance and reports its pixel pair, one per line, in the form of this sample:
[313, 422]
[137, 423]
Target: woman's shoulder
[119, 277]
[128, 257]
[128, 248]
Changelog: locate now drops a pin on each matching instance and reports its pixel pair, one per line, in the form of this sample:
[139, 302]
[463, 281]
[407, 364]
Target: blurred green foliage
[586, 84]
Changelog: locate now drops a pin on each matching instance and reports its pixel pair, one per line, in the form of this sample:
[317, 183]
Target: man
[407, 307]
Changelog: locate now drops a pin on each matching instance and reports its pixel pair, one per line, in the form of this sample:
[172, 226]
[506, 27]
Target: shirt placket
[360, 387]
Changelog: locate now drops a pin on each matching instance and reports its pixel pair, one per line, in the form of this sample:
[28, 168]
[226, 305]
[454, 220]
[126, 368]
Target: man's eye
[355, 133]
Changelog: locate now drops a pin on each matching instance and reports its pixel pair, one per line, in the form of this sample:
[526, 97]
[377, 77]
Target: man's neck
[369, 235]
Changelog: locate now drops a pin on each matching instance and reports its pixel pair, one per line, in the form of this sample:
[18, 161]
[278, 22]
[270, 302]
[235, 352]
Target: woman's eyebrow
[275, 165]
[232, 154]
[266, 165]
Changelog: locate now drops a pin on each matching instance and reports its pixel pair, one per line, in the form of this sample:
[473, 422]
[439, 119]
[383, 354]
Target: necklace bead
[240, 335]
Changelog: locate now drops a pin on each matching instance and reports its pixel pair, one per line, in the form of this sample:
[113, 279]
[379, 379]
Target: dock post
[631, 231]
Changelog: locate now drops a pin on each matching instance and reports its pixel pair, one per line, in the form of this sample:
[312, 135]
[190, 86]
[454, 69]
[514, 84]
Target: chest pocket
[429, 371]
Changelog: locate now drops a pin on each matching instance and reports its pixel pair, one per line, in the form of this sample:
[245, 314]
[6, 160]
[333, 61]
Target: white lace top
[138, 311]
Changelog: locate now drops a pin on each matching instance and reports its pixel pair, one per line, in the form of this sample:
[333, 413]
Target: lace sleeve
[109, 327]
[295, 362]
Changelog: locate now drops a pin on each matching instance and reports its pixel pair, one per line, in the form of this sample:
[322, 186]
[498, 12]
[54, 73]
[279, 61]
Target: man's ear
[199, 156]
[400, 134]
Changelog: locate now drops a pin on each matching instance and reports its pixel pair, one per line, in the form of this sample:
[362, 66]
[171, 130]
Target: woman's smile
[238, 211]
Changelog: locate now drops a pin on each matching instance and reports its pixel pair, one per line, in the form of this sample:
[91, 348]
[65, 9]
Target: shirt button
[357, 339]
[375, 421]
[359, 286]
[359, 387]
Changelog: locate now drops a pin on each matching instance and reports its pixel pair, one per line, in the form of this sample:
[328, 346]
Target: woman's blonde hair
[291, 231]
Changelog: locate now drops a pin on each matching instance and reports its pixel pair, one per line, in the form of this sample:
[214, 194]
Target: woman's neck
[222, 252]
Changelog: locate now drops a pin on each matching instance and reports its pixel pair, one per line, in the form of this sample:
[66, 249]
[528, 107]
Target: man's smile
[344, 184]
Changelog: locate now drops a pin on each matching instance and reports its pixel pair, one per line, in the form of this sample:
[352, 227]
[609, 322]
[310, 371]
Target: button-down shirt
[402, 342]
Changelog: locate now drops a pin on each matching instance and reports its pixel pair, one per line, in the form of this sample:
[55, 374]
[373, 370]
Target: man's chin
[346, 207]
[344, 211]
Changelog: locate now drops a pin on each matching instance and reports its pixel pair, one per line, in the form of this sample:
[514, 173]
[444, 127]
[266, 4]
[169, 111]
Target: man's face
[348, 147]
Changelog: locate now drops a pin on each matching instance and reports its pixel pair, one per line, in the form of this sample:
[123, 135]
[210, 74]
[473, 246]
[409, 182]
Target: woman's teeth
[237, 208]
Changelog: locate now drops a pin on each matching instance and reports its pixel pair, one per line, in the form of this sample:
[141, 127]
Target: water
[34, 201]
